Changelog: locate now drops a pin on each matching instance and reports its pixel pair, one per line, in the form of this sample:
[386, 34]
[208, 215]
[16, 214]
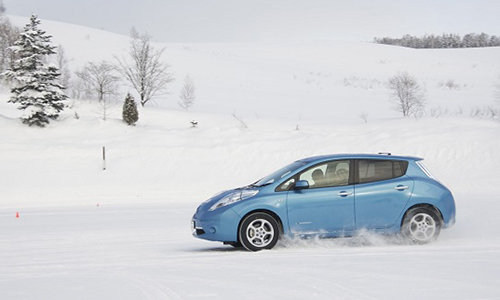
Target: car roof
[358, 156]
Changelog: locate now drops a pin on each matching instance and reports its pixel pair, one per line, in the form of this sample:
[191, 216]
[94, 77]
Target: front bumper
[216, 225]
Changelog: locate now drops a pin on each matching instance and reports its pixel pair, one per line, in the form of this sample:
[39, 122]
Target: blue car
[330, 196]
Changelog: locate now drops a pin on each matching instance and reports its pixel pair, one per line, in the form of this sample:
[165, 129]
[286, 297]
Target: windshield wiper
[261, 185]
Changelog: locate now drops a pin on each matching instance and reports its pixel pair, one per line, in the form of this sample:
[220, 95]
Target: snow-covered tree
[187, 93]
[483, 40]
[35, 90]
[130, 113]
[446, 40]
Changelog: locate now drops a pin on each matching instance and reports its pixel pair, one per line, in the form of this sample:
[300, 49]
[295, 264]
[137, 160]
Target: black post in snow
[103, 158]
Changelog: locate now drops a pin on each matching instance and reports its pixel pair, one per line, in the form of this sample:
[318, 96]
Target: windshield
[285, 171]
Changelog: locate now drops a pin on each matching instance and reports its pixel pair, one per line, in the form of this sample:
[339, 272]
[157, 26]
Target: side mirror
[301, 185]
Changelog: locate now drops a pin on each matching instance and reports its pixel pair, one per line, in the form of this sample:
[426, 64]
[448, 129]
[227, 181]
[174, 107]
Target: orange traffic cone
[17, 214]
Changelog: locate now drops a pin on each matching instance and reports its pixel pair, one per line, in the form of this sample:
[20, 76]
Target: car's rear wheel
[421, 225]
[259, 231]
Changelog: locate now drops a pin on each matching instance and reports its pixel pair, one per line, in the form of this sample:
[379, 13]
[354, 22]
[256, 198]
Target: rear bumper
[448, 210]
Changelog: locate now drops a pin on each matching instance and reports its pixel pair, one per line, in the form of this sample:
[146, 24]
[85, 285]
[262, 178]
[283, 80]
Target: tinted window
[400, 168]
[377, 170]
[334, 173]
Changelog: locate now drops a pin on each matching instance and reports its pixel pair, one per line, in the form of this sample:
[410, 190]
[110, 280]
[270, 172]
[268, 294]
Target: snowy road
[147, 252]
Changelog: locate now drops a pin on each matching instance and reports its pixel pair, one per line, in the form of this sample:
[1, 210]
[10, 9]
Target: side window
[400, 168]
[334, 173]
[286, 185]
[377, 170]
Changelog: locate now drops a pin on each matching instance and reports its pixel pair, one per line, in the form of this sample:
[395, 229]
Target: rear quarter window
[377, 170]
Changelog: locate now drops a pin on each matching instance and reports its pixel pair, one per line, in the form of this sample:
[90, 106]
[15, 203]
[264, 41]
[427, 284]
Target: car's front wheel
[421, 225]
[259, 231]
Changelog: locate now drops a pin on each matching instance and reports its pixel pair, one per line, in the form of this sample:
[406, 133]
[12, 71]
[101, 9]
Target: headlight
[216, 195]
[233, 198]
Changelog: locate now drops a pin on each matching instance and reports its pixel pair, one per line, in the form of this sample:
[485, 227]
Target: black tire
[259, 231]
[236, 245]
[421, 225]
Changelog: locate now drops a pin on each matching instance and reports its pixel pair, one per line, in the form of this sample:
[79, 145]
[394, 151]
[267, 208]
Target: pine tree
[130, 113]
[36, 90]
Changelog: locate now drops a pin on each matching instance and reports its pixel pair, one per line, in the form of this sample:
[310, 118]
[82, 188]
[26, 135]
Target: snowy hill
[301, 80]
[321, 88]
[164, 167]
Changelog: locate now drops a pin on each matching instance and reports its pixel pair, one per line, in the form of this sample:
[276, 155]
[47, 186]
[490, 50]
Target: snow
[146, 252]
[123, 233]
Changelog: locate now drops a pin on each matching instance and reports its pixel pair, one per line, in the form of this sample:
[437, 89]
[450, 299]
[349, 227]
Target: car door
[328, 204]
[381, 193]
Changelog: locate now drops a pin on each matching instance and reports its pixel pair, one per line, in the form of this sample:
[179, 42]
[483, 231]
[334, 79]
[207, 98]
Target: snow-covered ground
[146, 252]
[123, 233]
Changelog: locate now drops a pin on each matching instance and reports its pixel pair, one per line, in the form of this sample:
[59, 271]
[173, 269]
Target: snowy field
[146, 252]
[124, 233]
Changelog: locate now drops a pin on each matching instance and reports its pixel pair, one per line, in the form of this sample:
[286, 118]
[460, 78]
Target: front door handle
[344, 194]
[401, 187]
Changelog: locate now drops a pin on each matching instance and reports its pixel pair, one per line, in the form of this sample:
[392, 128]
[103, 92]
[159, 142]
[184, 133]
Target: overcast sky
[267, 20]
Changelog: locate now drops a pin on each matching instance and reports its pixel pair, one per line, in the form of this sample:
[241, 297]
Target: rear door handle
[401, 187]
[344, 194]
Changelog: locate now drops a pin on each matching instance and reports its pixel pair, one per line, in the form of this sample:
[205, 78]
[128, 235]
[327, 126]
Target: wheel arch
[266, 211]
[424, 205]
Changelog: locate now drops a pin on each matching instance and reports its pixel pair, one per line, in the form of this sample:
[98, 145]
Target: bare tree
[364, 116]
[187, 93]
[497, 91]
[406, 94]
[144, 69]
[62, 64]
[106, 108]
[242, 123]
[80, 89]
[9, 34]
[100, 80]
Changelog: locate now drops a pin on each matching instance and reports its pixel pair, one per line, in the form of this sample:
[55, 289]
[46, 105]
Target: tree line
[444, 41]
